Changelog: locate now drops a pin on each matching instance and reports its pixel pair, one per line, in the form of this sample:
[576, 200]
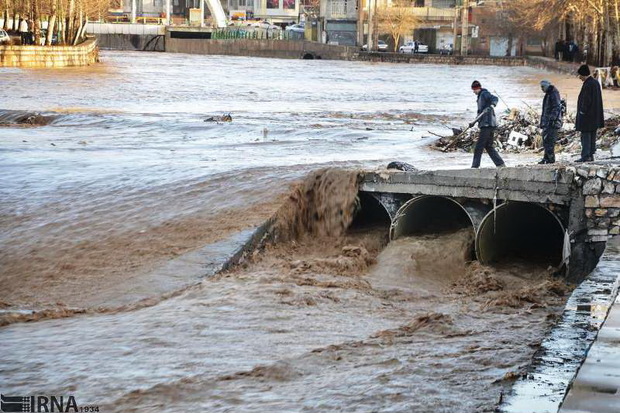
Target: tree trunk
[51, 25]
[80, 30]
[36, 25]
[5, 15]
[69, 22]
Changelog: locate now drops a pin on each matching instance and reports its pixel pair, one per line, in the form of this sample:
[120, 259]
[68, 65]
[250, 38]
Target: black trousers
[549, 137]
[485, 141]
[588, 144]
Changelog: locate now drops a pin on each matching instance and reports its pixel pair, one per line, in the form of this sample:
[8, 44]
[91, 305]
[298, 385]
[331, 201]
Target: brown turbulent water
[127, 176]
[326, 320]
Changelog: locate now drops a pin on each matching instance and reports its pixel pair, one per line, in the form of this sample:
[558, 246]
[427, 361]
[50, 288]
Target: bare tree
[594, 24]
[396, 19]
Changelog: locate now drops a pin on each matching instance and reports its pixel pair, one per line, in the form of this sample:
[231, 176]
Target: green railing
[252, 33]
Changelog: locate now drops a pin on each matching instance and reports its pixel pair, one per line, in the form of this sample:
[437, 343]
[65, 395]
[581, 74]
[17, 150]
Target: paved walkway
[596, 389]
[569, 68]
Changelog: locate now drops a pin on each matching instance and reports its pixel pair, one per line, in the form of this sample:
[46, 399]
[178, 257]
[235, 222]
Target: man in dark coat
[589, 113]
[550, 120]
[487, 123]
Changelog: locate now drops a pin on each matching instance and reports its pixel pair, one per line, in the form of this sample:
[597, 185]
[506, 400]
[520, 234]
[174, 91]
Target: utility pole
[202, 13]
[168, 13]
[133, 11]
[360, 22]
[371, 18]
[465, 28]
[455, 27]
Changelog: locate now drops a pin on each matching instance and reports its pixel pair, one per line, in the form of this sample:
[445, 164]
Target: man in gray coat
[550, 120]
[589, 113]
[487, 124]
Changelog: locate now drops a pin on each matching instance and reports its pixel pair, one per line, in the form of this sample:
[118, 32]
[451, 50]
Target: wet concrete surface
[543, 388]
[596, 389]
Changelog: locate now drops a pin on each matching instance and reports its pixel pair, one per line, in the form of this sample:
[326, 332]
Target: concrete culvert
[430, 215]
[370, 213]
[520, 231]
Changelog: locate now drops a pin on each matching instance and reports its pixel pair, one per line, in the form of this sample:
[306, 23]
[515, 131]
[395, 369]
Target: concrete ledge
[283, 49]
[83, 54]
[512, 184]
[439, 59]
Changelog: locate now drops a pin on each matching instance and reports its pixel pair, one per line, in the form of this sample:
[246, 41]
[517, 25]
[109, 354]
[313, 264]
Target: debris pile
[518, 131]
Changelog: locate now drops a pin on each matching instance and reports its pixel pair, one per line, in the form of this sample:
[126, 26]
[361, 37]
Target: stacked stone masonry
[601, 187]
[83, 54]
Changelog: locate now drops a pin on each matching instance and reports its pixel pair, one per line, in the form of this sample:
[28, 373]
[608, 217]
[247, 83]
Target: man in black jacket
[550, 120]
[487, 124]
[589, 113]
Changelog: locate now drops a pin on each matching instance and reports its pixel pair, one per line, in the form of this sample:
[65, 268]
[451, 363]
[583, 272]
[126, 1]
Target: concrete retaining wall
[143, 42]
[284, 49]
[84, 54]
[439, 59]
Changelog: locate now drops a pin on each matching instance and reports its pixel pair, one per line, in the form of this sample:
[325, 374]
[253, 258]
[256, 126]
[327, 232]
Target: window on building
[242, 3]
[288, 4]
[419, 3]
[338, 8]
[273, 4]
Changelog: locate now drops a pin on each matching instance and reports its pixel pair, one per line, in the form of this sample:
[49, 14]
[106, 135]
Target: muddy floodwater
[130, 166]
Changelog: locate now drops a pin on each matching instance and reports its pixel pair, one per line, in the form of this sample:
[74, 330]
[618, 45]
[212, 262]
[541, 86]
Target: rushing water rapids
[126, 174]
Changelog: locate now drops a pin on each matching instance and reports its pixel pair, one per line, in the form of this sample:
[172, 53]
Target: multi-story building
[437, 21]
[338, 21]
[275, 11]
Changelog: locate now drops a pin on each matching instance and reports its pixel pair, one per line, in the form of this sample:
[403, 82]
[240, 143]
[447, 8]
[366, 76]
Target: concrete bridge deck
[563, 215]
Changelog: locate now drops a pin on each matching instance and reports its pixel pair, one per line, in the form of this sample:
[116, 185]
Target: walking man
[550, 120]
[487, 123]
[589, 113]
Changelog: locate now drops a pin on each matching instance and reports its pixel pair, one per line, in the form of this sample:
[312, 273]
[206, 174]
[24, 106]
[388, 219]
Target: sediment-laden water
[118, 172]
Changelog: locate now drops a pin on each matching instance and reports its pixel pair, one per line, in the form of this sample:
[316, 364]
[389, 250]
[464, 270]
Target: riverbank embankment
[83, 54]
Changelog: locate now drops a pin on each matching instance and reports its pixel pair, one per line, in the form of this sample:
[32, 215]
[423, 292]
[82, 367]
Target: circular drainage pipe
[371, 212]
[522, 231]
[433, 214]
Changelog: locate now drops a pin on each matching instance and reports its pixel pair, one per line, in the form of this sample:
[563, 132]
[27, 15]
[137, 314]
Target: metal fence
[256, 33]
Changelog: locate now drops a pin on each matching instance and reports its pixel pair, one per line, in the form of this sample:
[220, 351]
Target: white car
[266, 25]
[446, 49]
[410, 48]
[4, 37]
[297, 28]
[381, 46]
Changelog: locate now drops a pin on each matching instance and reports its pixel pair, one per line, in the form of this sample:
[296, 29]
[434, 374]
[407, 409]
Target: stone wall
[601, 187]
[284, 49]
[83, 54]
[439, 59]
[142, 42]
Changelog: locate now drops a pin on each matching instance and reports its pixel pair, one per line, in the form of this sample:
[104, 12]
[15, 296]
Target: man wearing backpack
[487, 124]
[550, 120]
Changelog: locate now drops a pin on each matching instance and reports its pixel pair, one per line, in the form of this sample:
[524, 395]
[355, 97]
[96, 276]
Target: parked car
[44, 36]
[381, 46]
[297, 28]
[446, 49]
[409, 47]
[4, 37]
[264, 24]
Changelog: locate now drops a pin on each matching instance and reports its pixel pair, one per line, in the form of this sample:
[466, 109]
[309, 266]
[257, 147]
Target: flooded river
[127, 175]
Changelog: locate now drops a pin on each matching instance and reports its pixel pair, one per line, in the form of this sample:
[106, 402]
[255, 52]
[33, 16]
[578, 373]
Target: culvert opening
[370, 214]
[430, 215]
[520, 231]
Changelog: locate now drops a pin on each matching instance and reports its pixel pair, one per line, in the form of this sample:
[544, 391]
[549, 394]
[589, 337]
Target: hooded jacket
[551, 117]
[487, 100]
